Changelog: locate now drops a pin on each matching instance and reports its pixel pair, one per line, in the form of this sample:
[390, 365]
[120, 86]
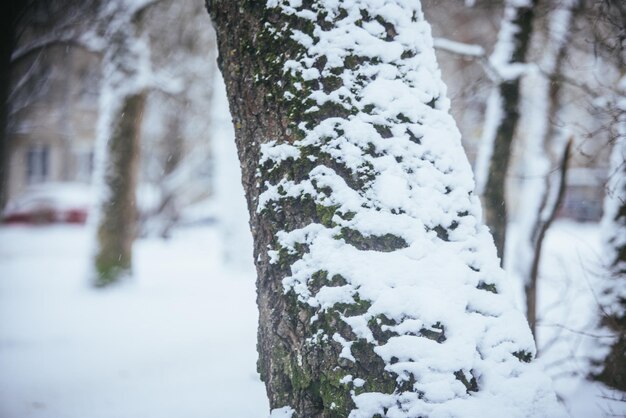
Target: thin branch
[459, 48]
[575, 331]
[541, 229]
[26, 77]
[586, 88]
[470, 51]
[47, 41]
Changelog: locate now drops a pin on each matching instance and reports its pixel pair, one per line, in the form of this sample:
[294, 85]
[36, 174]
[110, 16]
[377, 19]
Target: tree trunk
[121, 110]
[545, 146]
[11, 12]
[551, 207]
[379, 291]
[611, 368]
[117, 226]
[511, 49]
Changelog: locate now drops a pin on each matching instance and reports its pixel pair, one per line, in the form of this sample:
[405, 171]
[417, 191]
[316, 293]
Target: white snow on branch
[284, 412]
[501, 59]
[504, 69]
[459, 48]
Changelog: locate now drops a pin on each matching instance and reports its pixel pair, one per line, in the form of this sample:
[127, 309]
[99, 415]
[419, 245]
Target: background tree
[125, 78]
[12, 11]
[29, 28]
[543, 161]
[611, 366]
[608, 25]
[502, 115]
[177, 135]
[558, 92]
[379, 290]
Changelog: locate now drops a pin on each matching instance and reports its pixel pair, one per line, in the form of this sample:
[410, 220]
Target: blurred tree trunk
[121, 110]
[503, 114]
[545, 146]
[12, 10]
[361, 208]
[117, 225]
[608, 23]
[612, 298]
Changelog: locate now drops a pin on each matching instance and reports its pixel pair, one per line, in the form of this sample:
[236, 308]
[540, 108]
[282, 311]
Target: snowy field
[179, 341]
[570, 266]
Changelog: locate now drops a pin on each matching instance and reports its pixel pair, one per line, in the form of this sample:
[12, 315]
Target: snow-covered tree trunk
[611, 368]
[379, 291]
[121, 109]
[508, 61]
[545, 147]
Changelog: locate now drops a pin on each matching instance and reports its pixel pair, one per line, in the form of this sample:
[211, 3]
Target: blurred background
[176, 335]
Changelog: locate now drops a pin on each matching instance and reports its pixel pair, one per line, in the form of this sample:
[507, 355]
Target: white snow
[493, 117]
[459, 47]
[505, 70]
[501, 58]
[541, 146]
[284, 412]
[417, 182]
[60, 196]
[571, 274]
[178, 341]
[614, 289]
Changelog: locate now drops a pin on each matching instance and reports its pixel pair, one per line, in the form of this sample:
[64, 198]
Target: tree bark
[363, 216]
[514, 40]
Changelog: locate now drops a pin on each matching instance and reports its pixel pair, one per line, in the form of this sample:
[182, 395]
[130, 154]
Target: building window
[84, 166]
[37, 164]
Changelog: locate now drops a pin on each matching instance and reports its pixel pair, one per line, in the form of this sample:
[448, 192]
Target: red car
[50, 203]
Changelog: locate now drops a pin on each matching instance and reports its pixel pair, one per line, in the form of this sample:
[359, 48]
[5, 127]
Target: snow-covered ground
[570, 267]
[179, 341]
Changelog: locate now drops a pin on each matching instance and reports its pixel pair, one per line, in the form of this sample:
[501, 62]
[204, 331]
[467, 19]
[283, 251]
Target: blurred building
[54, 112]
[54, 103]
[54, 106]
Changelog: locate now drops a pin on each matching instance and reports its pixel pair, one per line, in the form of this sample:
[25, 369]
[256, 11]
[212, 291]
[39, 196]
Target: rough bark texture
[316, 172]
[117, 227]
[494, 194]
[246, 51]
